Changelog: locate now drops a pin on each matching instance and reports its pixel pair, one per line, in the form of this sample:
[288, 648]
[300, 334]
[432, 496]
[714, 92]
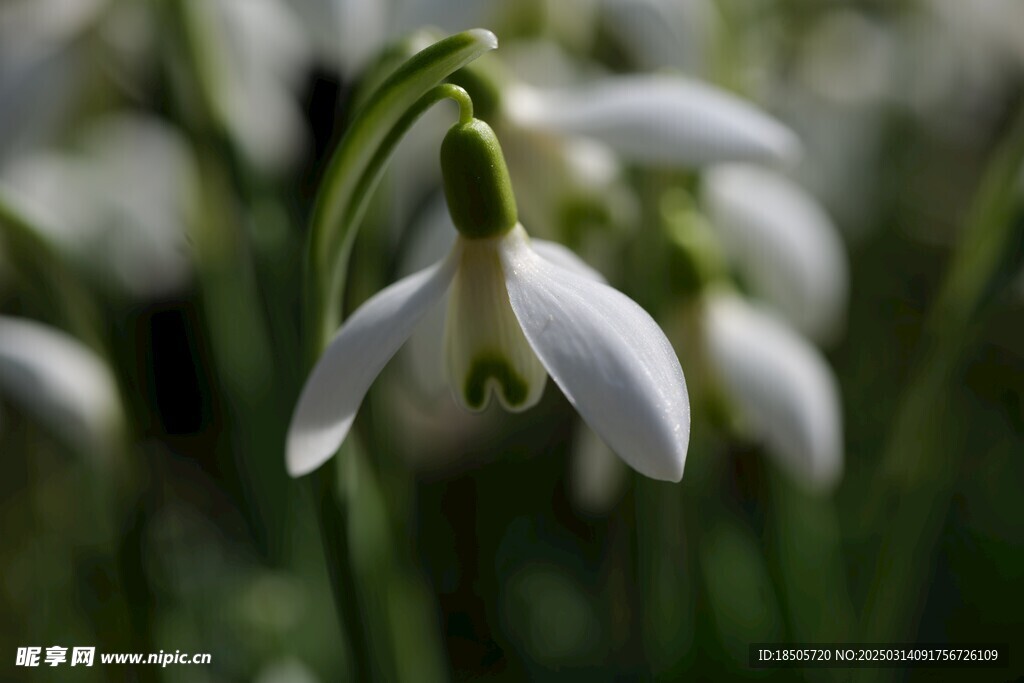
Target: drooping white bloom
[255, 54]
[663, 120]
[783, 243]
[119, 205]
[60, 382]
[784, 390]
[514, 317]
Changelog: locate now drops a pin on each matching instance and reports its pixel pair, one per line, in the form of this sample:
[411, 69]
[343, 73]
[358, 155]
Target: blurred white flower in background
[994, 27]
[680, 34]
[850, 59]
[784, 390]
[783, 244]
[116, 202]
[255, 53]
[61, 383]
[42, 74]
[655, 120]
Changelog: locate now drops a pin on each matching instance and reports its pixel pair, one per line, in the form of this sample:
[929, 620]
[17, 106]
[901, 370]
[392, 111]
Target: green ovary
[488, 366]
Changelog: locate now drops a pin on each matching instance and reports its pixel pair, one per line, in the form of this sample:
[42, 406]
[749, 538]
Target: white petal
[59, 380]
[783, 243]
[359, 351]
[486, 352]
[783, 387]
[657, 119]
[608, 356]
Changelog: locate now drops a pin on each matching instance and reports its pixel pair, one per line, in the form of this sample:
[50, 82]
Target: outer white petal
[360, 350]
[657, 119]
[62, 382]
[784, 244]
[607, 355]
[783, 387]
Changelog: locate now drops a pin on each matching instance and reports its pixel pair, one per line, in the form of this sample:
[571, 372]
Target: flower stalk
[341, 203]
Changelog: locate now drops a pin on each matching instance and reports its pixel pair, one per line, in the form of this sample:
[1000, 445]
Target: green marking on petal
[487, 366]
[485, 349]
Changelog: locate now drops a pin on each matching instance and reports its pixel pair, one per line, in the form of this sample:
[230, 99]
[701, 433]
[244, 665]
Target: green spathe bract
[476, 181]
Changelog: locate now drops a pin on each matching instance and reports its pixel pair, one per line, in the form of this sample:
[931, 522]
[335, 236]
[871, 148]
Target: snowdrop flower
[782, 387]
[118, 205]
[516, 313]
[783, 243]
[59, 381]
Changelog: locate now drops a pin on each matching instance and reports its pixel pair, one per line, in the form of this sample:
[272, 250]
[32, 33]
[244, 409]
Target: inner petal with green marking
[486, 351]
